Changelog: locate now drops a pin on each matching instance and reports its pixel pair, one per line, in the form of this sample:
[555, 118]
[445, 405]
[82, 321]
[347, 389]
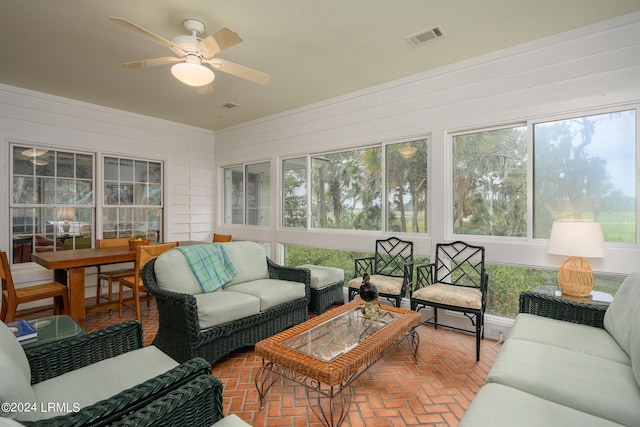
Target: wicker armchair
[187, 392]
[179, 334]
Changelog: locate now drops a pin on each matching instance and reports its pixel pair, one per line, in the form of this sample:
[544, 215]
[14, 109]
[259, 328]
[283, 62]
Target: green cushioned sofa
[104, 378]
[262, 299]
[566, 364]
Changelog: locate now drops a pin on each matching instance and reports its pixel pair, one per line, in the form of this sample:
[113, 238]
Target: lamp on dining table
[577, 240]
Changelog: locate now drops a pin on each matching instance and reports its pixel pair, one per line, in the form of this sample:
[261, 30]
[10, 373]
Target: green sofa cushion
[219, 307]
[580, 381]
[102, 380]
[572, 336]
[622, 319]
[497, 405]
[174, 274]
[250, 261]
[271, 292]
[15, 372]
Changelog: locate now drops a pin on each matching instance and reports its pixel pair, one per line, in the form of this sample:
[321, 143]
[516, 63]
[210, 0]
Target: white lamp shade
[192, 74]
[577, 238]
[66, 214]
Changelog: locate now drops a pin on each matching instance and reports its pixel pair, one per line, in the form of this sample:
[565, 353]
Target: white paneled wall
[187, 152]
[589, 68]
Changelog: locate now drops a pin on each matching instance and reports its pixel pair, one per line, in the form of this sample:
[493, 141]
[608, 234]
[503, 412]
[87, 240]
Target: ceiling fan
[191, 52]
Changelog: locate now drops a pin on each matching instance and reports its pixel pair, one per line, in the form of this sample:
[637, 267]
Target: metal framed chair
[390, 270]
[12, 297]
[144, 254]
[456, 281]
[110, 276]
[222, 238]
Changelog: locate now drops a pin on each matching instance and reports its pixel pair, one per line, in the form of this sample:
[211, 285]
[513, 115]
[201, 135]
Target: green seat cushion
[102, 380]
[15, 372]
[497, 405]
[219, 307]
[271, 292]
[572, 336]
[584, 382]
[322, 276]
[622, 320]
[384, 284]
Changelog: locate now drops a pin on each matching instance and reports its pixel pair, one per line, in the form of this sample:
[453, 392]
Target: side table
[53, 328]
[547, 301]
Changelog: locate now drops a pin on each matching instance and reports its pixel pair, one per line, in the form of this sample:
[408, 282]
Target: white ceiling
[313, 49]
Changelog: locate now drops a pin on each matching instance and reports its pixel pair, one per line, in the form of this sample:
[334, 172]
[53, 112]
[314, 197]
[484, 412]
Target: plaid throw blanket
[211, 265]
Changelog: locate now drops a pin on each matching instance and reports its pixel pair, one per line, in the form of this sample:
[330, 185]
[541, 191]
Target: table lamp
[577, 240]
[66, 215]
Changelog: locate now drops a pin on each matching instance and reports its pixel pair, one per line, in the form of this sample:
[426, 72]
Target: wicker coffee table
[325, 354]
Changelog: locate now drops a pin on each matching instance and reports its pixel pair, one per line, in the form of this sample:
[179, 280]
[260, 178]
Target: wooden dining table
[69, 268]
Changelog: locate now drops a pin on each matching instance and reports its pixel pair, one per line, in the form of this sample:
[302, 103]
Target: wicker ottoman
[326, 287]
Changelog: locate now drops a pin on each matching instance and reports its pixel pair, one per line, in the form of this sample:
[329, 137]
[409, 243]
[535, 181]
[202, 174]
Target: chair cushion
[231, 420]
[271, 292]
[622, 320]
[15, 372]
[101, 380]
[219, 307]
[384, 284]
[458, 296]
[13, 350]
[322, 276]
[250, 261]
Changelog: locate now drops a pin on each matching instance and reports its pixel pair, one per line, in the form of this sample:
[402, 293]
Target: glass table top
[339, 334]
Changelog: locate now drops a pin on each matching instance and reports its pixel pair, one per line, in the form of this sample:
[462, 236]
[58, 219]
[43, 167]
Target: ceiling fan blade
[130, 25]
[206, 89]
[151, 62]
[239, 71]
[222, 39]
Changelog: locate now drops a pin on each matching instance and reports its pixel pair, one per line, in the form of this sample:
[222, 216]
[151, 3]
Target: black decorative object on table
[369, 294]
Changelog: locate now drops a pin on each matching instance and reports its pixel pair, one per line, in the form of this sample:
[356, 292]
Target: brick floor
[394, 392]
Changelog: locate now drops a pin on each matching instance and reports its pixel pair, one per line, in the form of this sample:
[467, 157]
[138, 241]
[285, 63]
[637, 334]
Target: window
[132, 205]
[52, 204]
[294, 199]
[406, 184]
[346, 190]
[585, 168]
[247, 194]
[490, 182]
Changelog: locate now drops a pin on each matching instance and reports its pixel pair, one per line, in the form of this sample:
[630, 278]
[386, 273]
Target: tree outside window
[585, 169]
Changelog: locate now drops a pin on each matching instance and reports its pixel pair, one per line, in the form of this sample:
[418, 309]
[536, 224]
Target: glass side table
[596, 297]
[52, 329]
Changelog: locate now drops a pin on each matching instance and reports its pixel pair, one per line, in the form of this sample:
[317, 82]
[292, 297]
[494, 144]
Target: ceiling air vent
[229, 105]
[425, 36]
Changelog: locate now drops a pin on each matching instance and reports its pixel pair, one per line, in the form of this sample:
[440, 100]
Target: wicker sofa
[262, 299]
[104, 378]
[566, 364]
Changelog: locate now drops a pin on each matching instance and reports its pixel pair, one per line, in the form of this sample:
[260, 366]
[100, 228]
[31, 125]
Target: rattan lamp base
[575, 277]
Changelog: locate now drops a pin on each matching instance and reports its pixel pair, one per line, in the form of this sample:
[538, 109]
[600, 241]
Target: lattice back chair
[390, 269]
[110, 276]
[12, 297]
[222, 238]
[144, 254]
[457, 281]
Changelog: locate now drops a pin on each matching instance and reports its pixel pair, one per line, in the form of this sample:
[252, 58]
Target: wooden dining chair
[12, 297]
[221, 238]
[110, 276]
[144, 254]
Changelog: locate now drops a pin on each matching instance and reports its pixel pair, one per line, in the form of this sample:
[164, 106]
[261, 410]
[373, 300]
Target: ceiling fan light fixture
[192, 74]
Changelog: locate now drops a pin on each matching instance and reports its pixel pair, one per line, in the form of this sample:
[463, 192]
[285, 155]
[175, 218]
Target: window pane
[490, 183]
[406, 169]
[258, 191]
[585, 169]
[346, 190]
[234, 195]
[294, 183]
